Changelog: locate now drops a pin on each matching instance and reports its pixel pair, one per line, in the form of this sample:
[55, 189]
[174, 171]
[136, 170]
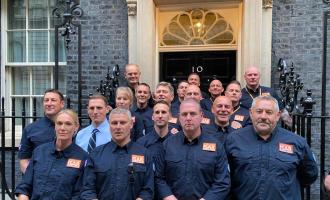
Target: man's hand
[171, 197]
[327, 183]
[23, 163]
[23, 197]
[286, 118]
[139, 198]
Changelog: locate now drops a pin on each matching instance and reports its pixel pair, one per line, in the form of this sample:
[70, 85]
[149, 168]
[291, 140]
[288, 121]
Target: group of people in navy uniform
[157, 145]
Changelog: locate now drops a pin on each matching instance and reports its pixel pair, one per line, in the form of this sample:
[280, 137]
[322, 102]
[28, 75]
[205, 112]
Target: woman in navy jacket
[55, 169]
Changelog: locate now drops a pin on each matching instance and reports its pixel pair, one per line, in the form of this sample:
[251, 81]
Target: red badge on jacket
[286, 148]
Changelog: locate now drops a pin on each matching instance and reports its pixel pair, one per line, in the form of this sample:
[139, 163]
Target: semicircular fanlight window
[197, 27]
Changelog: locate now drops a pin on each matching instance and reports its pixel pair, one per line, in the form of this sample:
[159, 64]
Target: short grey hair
[193, 101]
[132, 64]
[265, 98]
[166, 84]
[120, 111]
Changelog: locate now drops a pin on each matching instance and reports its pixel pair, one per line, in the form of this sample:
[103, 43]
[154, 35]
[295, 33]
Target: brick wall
[298, 27]
[298, 38]
[104, 43]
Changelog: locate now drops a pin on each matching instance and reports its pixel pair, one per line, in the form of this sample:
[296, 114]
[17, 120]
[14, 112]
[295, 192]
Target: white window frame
[6, 67]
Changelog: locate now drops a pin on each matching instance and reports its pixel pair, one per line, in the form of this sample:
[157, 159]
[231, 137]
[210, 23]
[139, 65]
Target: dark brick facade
[298, 38]
[104, 43]
[298, 27]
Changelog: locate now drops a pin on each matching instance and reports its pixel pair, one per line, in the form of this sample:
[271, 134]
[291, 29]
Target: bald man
[222, 109]
[253, 89]
[132, 75]
[194, 79]
[194, 92]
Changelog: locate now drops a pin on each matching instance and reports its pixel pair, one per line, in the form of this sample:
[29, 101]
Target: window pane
[61, 48]
[53, 19]
[38, 48]
[41, 79]
[38, 10]
[20, 81]
[16, 46]
[16, 14]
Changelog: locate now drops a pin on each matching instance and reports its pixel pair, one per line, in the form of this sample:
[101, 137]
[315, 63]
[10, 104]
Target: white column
[266, 50]
[132, 11]
[251, 33]
[146, 39]
[142, 37]
[256, 37]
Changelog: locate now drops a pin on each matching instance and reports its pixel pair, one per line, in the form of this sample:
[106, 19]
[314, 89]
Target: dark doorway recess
[208, 64]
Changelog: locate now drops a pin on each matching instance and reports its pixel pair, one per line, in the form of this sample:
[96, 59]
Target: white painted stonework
[251, 22]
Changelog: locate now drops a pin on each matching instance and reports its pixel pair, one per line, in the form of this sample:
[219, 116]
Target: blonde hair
[71, 113]
[127, 91]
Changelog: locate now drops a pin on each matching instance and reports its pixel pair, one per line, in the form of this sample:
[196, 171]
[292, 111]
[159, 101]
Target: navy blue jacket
[54, 174]
[217, 131]
[146, 114]
[248, 95]
[107, 175]
[269, 169]
[240, 115]
[193, 170]
[154, 144]
[138, 127]
[175, 107]
[39, 132]
[206, 104]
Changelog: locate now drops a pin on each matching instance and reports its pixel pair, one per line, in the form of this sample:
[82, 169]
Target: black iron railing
[303, 118]
[9, 168]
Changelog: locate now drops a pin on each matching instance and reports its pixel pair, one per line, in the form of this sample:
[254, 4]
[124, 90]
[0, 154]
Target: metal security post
[68, 11]
[307, 104]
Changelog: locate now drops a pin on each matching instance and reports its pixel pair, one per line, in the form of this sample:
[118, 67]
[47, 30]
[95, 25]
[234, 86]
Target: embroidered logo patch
[138, 159]
[73, 163]
[286, 148]
[209, 146]
[206, 120]
[236, 125]
[239, 118]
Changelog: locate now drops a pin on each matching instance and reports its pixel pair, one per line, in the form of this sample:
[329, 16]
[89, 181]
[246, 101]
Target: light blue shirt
[102, 137]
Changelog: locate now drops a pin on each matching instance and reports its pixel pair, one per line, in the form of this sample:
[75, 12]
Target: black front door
[208, 64]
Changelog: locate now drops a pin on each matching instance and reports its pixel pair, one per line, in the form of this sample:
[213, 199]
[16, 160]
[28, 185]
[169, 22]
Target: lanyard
[251, 94]
[236, 109]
